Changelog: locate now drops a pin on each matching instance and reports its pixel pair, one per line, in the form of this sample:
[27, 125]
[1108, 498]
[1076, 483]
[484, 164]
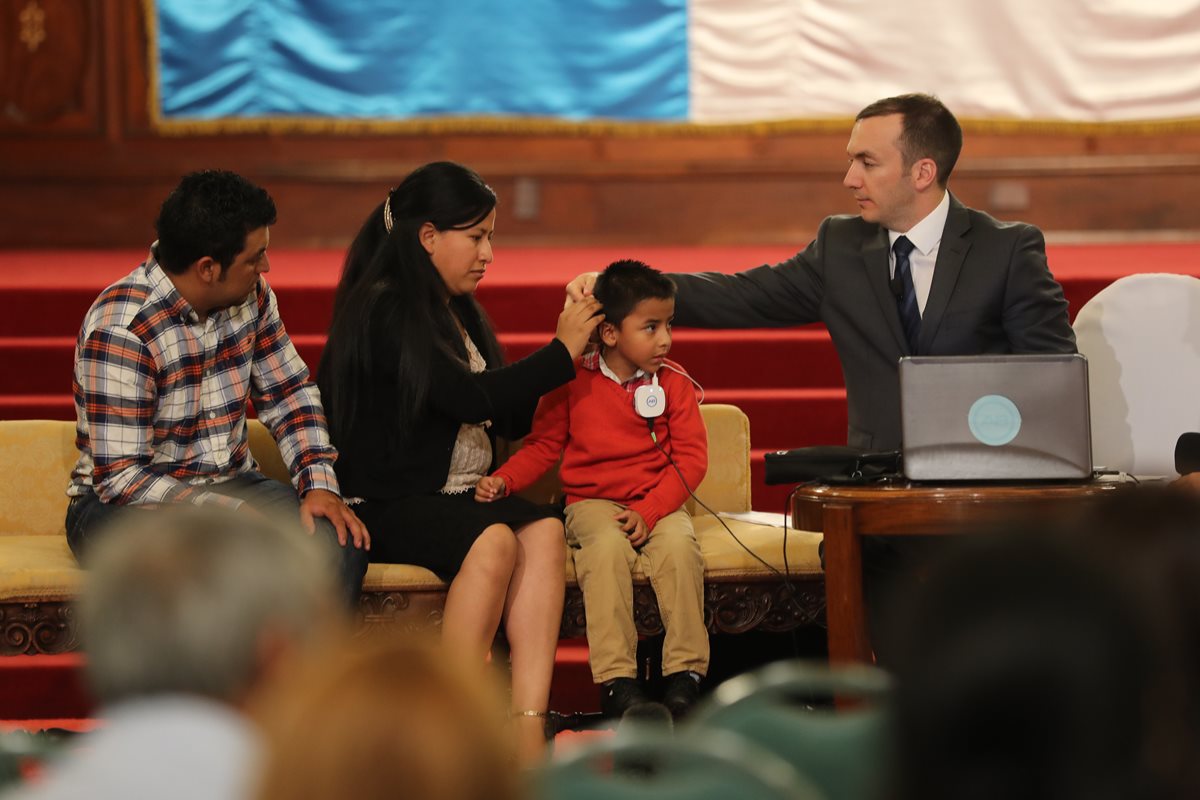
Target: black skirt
[436, 531]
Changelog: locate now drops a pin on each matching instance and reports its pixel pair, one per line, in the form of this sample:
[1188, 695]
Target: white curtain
[1053, 60]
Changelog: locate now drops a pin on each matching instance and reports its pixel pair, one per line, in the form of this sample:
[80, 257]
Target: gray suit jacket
[992, 293]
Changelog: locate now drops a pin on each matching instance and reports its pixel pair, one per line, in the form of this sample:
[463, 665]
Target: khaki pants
[604, 562]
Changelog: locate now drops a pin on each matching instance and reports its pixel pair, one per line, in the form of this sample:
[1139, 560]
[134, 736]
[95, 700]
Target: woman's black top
[375, 462]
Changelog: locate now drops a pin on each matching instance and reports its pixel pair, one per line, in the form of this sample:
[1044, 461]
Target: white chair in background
[1141, 336]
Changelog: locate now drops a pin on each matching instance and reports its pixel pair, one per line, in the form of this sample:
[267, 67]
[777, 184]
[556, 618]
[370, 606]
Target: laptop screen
[1008, 417]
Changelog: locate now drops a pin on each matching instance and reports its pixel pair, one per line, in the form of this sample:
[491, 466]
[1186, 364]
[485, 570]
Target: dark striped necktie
[906, 300]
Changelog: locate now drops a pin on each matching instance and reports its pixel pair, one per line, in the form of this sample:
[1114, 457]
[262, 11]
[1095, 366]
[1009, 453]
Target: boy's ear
[608, 334]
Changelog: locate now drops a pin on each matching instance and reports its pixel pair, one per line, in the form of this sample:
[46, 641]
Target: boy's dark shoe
[619, 694]
[680, 692]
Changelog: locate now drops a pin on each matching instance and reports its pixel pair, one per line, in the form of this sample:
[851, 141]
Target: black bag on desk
[830, 464]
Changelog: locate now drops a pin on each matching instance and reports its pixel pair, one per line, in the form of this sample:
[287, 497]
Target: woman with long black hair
[415, 392]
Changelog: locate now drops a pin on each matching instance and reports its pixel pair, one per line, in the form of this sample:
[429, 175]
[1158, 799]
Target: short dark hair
[930, 130]
[625, 283]
[209, 214]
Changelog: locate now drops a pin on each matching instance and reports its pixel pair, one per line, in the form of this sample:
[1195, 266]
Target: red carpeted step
[572, 690]
[57, 311]
[784, 418]
[36, 365]
[760, 358]
[38, 692]
[795, 358]
[799, 361]
[37, 406]
[43, 688]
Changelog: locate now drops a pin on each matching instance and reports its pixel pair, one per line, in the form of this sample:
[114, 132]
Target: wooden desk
[901, 508]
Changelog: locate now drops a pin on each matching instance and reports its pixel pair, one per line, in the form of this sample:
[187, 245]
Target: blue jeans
[88, 517]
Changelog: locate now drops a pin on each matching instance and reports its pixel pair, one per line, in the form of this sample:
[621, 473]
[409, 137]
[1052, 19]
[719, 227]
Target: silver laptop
[1019, 418]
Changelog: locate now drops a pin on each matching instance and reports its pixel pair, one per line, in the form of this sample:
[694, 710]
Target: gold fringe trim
[1147, 127]
[539, 126]
[543, 126]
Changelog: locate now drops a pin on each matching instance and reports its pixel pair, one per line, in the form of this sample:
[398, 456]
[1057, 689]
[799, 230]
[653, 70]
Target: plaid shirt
[160, 397]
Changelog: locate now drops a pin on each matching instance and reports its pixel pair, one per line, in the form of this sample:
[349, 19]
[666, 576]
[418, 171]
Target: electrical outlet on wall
[1008, 196]
[527, 198]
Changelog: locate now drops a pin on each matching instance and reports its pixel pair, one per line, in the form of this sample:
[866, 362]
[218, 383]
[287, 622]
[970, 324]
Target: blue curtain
[398, 59]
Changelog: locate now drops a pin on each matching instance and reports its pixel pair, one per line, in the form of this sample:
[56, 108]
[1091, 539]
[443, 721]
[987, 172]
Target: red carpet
[45, 692]
[787, 381]
[42, 691]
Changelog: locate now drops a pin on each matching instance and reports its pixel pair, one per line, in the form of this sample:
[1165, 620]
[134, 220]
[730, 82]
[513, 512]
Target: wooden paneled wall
[82, 165]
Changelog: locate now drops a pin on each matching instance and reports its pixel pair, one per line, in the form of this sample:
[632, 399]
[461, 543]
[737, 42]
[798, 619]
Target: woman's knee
[494, 550]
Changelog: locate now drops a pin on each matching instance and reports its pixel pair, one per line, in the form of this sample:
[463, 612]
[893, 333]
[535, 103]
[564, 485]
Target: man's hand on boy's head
[580, 287]
[634, 526]
[489, 488]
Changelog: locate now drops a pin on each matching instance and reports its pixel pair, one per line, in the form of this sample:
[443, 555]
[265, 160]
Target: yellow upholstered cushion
[394, 577]
[726, 485]
[36, 457]
[266, 452]
[37, 568]
[724, 557]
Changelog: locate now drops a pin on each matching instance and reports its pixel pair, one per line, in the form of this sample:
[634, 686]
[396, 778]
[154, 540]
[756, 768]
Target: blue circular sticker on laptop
[994, 420]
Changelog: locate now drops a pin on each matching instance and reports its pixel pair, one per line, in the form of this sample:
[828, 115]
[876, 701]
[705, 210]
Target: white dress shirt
[926, 237]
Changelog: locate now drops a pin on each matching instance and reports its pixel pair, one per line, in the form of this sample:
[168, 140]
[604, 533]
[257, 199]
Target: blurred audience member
[1028, 668]
[185, 616]
[386, 719]
[1150, 538]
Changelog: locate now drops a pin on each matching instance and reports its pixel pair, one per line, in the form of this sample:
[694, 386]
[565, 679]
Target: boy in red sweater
[624, 498]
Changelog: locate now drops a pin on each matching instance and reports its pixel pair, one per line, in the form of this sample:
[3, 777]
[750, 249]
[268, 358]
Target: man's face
[240, 278]
[877, 177]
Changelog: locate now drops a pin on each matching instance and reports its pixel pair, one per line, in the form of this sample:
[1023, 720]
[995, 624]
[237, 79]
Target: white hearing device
[650, 401]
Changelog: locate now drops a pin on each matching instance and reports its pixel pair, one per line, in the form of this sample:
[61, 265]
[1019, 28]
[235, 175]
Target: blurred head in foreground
[386, 718]
[200, 602]
[1056, 664]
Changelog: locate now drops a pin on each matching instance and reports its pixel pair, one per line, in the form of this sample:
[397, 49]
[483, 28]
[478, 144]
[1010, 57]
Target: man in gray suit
[915, 273]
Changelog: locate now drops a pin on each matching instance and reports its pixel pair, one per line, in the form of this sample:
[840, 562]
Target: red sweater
[606, 448]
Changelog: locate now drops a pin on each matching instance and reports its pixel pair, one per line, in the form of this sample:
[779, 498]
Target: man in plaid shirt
[165, 363]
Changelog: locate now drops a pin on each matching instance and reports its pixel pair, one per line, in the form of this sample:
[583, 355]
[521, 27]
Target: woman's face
[460, 256]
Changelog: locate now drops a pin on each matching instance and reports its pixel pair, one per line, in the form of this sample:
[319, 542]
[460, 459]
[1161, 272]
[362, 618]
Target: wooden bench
[39, 576]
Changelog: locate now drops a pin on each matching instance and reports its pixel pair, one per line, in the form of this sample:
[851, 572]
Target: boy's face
[644, 336]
